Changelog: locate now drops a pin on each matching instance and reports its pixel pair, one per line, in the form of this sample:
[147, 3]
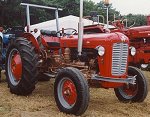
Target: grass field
[103, 103]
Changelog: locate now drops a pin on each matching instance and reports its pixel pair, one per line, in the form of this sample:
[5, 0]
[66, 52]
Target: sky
[130, 6]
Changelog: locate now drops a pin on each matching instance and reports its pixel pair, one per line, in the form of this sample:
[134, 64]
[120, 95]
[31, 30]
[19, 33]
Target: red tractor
[76, 63]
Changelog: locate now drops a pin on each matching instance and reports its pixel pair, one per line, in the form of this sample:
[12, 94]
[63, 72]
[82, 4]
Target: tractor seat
[49, 33]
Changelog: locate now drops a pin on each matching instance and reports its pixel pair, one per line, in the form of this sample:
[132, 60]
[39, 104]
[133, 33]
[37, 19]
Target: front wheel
[133, 93]
[71, 91]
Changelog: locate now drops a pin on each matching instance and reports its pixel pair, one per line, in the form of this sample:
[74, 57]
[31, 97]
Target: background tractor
[77, 61]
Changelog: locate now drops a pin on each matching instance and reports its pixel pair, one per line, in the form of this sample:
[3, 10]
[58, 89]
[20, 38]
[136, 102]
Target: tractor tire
[42, 77]
[71, 91]
[21, 66]
[133, 93]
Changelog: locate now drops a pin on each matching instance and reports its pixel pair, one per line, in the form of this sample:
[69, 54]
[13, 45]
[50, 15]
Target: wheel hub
[16, 66]
[130, 89]
[69, 92]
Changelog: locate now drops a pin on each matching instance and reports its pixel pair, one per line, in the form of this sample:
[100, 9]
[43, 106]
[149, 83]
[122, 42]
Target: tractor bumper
[128, 80]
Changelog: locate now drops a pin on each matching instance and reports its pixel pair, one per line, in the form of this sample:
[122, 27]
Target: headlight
[133, 51]
[101, 50]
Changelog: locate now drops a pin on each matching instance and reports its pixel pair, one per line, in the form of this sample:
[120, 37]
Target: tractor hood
[141, 28]
[138, 32]
[94, 40]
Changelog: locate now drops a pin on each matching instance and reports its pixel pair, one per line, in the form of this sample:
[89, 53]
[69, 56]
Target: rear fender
[34, 41]
[44, 42]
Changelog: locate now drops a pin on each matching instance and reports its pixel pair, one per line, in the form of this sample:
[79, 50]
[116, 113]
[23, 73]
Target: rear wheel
[133, 93]
[21, 66]
[71, 91]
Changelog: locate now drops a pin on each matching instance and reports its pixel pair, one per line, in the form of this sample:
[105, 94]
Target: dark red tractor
[76, 63]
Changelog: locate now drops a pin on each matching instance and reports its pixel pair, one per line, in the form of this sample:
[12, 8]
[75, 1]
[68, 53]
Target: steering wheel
[72, 30]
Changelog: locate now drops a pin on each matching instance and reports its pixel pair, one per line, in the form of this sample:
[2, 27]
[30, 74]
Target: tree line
[12, 14]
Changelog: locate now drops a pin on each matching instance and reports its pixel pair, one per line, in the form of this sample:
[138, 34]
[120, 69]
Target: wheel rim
[67, 93]
[129, 91]
[14, 67]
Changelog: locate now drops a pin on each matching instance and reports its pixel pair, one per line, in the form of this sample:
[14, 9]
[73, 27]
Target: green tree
[11, 13]
[138, 19]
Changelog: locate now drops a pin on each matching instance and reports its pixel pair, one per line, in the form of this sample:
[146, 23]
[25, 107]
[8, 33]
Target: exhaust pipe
[28, 18]
[80, 29]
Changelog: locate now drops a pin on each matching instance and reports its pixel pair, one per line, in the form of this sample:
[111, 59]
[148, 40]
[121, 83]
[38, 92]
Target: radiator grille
[119, 58]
